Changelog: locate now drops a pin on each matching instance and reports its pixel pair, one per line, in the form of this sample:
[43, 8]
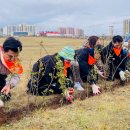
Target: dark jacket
[44, 76]
[115, 63]
[85, 69]
[2, 81]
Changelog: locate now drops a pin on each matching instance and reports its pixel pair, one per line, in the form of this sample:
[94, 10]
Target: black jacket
[2, 81]
[44, 75]
[116, 63]
[82, 58]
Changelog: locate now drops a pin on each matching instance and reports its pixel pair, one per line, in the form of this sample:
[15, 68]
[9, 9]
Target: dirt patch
[54, 102]
[17, 114]
[3, 115]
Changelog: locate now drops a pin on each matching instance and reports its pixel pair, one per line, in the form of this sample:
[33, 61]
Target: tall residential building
[110, 31]
[1, 31]
[70, 31]
[126, 26]
[62, 30]
[20, 29]
[79, 32]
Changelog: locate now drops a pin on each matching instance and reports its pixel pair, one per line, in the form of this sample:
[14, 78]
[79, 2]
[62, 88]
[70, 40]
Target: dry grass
[109, 111]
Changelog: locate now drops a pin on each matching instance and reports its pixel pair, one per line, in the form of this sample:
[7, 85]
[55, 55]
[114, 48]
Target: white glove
[96, 89]
[127, 72]
[1, 103]
[101, 74]
[122, 75]
[75, 63]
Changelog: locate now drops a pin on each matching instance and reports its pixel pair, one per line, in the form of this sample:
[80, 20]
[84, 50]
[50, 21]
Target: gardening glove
[101, 74]
[70, 99]
[1, 103]
[122, 75]
[127, 72]
[96, 89]
[71, 91]
[68, 95]
[1, 100]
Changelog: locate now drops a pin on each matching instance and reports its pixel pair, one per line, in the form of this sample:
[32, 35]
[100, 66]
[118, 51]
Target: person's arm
[83, 62]
[123, 62]
[10, 83]
[123, 66]
[13, 80]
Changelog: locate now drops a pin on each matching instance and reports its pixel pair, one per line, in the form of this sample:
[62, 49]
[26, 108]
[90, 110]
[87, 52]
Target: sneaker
[78, 86]
[1, 103]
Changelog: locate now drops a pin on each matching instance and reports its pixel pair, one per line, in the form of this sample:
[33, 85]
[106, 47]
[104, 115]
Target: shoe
[78, 86]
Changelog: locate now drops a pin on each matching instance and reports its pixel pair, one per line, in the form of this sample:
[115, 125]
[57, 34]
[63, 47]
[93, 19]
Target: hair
[92, 41]
[12, 44]
[117, 38]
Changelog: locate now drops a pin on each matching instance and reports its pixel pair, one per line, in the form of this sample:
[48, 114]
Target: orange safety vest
[66, 66]
[91, 60]
[117, 51]
[129, 55]
[13, 66]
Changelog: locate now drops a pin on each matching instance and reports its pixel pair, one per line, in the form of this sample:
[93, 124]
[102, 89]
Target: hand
[71, 91]
[122, 75]
[127, 72]
[75, 63]
[70, 98]
[101, 74]
[6, 89]
[96, 89]
[68, 95]
[97, 55]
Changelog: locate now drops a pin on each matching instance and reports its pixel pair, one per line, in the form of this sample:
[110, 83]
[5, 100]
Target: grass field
[109, 111]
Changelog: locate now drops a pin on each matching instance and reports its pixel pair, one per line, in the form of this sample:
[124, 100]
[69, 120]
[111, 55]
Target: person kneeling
[51, 74]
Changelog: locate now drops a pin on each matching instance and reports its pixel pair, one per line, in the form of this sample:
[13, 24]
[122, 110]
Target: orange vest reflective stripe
[91, 60]
[117, 51]
[13, 66]
[66, 66]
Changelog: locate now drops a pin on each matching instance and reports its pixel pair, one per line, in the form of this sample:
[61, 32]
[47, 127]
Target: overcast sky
[94, 16]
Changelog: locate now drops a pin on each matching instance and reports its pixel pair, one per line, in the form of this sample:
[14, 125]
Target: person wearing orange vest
[128, 61]
[86, 60]
[126, 46]
[51, 72]
[10, 67]
[116, 57]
